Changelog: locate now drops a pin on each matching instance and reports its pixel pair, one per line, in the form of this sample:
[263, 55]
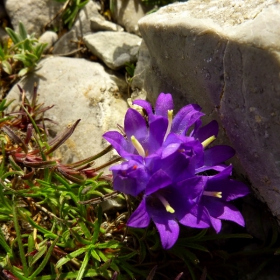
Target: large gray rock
[79, 89]
[115, 49]
[34, 15]
[225, 56]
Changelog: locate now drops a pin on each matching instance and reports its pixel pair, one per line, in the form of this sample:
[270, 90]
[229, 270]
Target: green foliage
[53, 225]
[71, 10]
[25, 49]
[129, 68]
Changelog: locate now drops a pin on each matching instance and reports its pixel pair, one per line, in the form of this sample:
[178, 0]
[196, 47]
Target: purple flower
[130, 177]
[212, 205]
[166, 159]
[166, 204]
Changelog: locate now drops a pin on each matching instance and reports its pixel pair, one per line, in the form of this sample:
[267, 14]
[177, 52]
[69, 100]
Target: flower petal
[222, 210]
[185, 118]
[158, 129]
[197, 217]
[118, 142]
[191, 220]
[145, 105]
[135, 125]
[218, 154]
[207, 131]
[158, 181]
[168, 231]
[163, 104]
[230, 189]
[130, 177]
[140, 217]
[193, 187]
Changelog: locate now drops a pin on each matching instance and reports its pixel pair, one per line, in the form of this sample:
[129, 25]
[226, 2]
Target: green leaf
[19, 239]
[23, 72]
[102, 256]
[31, 57]
[38, 49]
[38, 255]
[45, 260]
[4, 244]
[22, 31]
[41, 229]
[70, 256]
[70, 275]
[79, 238]
[128, 256]
[83, 266]
[7, 67]
[18, 274]
[2, 53]
[95, 255]
[97, 225]
[113, 244]
[31, 247]
[14, 36]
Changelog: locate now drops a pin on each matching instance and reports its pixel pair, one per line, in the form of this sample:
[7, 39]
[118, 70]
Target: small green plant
[23, 55]
[70, 10]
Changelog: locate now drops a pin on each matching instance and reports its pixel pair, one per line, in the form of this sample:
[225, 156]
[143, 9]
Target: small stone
[48, 37]
[115, 49]
[99, 23]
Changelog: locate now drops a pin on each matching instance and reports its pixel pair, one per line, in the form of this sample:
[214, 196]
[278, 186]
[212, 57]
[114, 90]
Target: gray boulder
[79, 89]
[225, 56]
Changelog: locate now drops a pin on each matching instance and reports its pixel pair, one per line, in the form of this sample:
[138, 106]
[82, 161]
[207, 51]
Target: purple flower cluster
[165, 161]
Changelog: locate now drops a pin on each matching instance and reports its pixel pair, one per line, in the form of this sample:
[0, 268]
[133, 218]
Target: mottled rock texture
[79, 89]
[115, 49]
[127, 13]
[225, 56]
[33, 14]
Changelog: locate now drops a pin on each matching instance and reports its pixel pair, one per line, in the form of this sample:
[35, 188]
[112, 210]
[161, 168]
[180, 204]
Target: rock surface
[82, 26]
[127, 14]
[48, 37]
[34, 15]
[225, 56]
[114, 48]
[79, 89]
[99, 23]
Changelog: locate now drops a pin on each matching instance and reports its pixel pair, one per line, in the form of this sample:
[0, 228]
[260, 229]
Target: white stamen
[208, 141]
[137, 146]
[170, 118]
[166, 204]
[213, 194]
